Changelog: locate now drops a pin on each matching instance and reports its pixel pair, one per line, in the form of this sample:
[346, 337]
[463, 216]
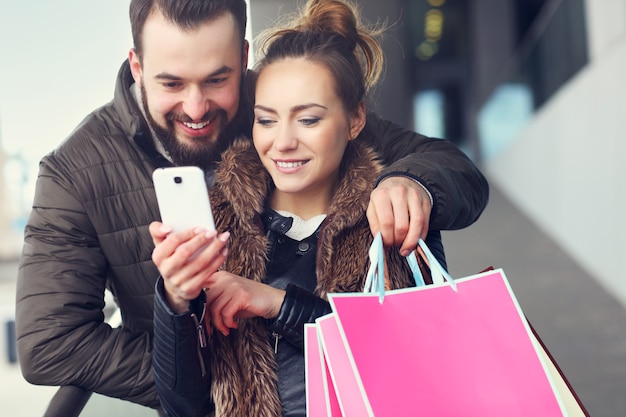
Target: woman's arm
[180, 359]
[298, 307]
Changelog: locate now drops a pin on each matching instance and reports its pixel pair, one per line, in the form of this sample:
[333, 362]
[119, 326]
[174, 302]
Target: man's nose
[196, 104]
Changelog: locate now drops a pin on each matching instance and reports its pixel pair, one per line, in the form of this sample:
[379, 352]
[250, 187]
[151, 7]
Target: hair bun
[332, 25]
[331, 16]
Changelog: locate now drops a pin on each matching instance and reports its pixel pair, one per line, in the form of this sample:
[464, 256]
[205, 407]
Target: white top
[301, 229]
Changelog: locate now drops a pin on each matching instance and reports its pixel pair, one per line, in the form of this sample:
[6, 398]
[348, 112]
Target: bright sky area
[58, 61]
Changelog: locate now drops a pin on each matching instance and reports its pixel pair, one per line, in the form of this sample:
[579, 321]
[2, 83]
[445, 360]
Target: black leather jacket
[291, 262]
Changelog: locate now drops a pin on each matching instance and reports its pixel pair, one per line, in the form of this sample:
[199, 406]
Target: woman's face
[301, 127]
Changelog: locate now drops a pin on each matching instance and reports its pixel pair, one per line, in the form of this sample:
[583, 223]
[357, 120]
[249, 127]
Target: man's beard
[203, 153]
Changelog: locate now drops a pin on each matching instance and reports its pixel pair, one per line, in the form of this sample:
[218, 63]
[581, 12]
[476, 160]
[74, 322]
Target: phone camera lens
[178, 180]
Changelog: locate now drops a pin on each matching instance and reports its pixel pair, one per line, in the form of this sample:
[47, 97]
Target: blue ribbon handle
[417, 272]
[376, 274]
[437, 272]
[375, 280]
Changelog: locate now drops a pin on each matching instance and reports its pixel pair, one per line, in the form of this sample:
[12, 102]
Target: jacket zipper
[276, 337]
[201, 337]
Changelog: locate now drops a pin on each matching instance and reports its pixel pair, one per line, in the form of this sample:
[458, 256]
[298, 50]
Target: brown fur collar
[243, 365]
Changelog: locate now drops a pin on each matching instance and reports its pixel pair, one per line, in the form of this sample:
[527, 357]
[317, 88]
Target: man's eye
[215, 81]
[173, 84]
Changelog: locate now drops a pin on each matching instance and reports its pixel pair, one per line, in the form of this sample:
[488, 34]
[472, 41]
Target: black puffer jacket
[88, 230]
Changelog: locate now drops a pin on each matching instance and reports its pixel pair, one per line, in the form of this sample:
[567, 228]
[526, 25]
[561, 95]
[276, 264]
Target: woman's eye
[309, 121]
[264, 122]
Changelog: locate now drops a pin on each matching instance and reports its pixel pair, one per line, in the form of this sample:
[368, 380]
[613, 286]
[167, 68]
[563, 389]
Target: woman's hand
[185, 260]
[230, 297]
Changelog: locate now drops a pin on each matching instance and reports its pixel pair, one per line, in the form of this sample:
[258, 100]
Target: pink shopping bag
[321, 400]
[459, 348]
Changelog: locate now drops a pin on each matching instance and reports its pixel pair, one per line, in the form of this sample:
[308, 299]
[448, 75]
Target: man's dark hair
[186, 14]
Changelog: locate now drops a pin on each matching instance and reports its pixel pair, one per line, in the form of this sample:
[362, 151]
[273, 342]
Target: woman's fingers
[186, 259]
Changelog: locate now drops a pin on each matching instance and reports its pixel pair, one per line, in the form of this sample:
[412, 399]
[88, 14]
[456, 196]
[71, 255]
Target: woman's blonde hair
[329, 32]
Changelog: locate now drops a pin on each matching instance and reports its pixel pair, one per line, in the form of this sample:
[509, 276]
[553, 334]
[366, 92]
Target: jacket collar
[130, 115]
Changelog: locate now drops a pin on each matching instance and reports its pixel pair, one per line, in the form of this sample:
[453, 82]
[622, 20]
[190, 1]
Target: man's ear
[135, 65]
[357, 121]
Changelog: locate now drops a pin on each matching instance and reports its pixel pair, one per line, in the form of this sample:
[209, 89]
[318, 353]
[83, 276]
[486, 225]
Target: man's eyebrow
[171, 77]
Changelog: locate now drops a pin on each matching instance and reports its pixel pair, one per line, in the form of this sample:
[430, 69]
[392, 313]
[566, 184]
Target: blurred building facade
[6, 216]
[12, 203]
[531, 90]
[528, 88]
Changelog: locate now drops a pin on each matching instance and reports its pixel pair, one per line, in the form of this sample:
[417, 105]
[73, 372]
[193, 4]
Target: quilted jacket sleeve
[62, 338]
[460, 191]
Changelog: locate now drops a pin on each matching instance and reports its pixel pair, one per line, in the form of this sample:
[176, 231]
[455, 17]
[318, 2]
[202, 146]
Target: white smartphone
[183, 198]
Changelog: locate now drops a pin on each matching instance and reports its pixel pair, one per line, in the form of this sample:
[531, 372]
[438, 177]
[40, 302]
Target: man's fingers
[390, 213]
[401, 217]
[419, 209]
[372, 218]
[400, 210]
[381, 216]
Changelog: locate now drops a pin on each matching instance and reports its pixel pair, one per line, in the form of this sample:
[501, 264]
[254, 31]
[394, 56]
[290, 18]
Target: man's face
[190, 82]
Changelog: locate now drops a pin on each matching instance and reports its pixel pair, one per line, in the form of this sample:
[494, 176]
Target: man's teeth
[196, 125]
[289, 164]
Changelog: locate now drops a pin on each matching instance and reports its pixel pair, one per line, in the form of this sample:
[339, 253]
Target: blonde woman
[292, 204]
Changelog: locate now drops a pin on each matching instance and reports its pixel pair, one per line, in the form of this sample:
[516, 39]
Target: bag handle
[375, 280]
[438, 273]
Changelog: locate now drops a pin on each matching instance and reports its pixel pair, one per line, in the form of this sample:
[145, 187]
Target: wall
[565, 169]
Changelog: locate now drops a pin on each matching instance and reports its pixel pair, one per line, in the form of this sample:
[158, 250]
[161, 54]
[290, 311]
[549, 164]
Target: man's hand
[400, 210]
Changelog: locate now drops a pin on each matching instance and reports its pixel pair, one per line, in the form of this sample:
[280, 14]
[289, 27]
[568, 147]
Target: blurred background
[531, 90]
